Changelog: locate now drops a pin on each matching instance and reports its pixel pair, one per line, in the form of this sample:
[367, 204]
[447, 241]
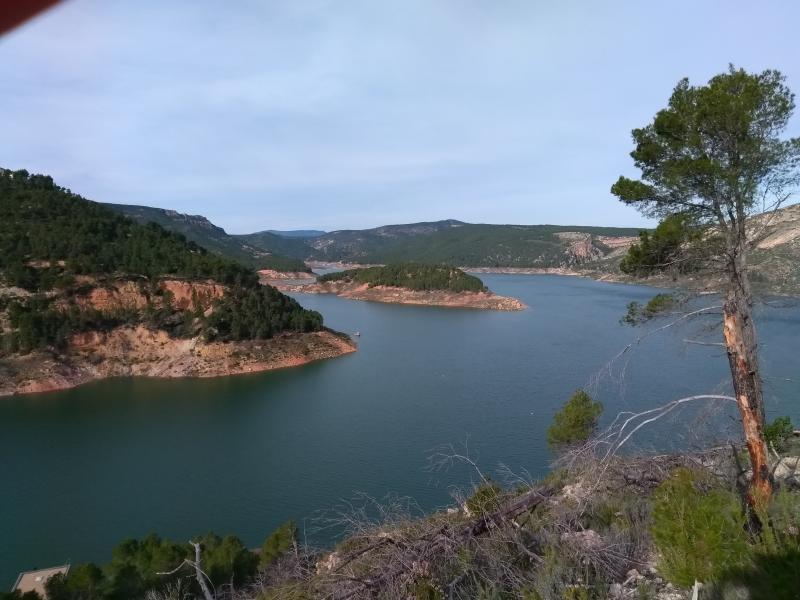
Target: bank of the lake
[87, 467]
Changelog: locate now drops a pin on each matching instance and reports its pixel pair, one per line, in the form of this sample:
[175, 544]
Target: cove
[85, 468]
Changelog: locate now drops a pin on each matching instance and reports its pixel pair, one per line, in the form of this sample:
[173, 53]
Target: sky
[357, 113]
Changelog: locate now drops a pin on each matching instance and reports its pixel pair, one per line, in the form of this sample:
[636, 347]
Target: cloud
[349, 114]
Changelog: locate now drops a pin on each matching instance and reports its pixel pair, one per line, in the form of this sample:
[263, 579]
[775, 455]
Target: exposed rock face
[269, 275]
[139, 351]
[615, 242]
[130, 294]
[776, 229]
[397, 295]
[580, 247]
[192, 295]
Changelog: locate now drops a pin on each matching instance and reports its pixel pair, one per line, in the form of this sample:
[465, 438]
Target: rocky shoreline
[397, 295]
[141, 352]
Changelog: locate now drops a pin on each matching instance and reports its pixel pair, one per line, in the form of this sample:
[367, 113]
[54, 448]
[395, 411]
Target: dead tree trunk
[198, 571]
[740, 341]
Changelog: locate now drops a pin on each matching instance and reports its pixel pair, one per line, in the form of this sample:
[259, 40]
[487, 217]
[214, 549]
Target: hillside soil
[143, 352]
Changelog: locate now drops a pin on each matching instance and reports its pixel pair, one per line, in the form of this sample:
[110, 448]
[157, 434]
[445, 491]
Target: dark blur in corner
[15, 12]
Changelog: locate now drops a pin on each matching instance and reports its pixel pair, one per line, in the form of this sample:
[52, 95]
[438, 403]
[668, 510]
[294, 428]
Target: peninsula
[410, 283]
[86, 293]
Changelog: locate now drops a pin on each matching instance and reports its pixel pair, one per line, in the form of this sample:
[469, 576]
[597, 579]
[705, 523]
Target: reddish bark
[740, 341]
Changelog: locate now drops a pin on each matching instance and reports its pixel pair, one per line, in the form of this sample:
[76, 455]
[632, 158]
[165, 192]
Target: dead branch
[602, 448]
[426, 546]
[199, 573]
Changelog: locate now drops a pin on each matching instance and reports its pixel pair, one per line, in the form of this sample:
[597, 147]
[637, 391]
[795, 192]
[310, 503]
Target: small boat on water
[357, 334]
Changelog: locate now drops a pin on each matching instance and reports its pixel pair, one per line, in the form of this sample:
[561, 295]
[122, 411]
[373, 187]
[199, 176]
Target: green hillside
[474, 246]
[266, 241]
[200, 230]
[49, 237]
[445, 242]
[411, 276]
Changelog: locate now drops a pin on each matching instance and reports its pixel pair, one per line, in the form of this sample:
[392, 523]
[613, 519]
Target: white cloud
[348, 114]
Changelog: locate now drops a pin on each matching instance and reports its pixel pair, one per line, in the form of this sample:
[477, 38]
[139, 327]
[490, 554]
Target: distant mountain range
[449, 241]
[595, 251]
[298, 233]
[469, 245]
[203, 232]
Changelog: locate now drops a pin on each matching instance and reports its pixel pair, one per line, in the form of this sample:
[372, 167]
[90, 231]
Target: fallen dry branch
[415, 552]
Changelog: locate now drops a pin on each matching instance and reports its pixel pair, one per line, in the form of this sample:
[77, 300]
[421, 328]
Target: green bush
[17, 595]
[779, 432]
[486, 498]
[699, 530]
[657, 305]
[575, 422]
[135, 565]
[277, 543]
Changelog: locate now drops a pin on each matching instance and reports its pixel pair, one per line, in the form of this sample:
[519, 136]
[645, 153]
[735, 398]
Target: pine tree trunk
[740, 340]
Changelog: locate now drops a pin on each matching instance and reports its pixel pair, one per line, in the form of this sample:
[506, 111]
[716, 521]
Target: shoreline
[398, 295]
[136, 352]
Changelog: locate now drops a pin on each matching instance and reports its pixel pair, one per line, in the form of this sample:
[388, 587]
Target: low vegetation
[157, 565]
[778, 433]
[698, 527]
[575, 422]
[411, 276]
[658, 305]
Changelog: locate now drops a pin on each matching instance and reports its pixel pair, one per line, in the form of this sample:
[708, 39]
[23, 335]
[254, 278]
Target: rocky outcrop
[143, 352]
[270, 275]
[580, 248]
[397, 295]
[585, 247]
[136, 294]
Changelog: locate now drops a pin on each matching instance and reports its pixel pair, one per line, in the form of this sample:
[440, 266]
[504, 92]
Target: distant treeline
[442, 242]
[48, 236]
[412, 276]
[200, 230]
[140, 566]
[40, 221]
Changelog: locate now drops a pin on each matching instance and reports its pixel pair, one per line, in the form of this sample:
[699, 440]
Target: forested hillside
[59, 248]
[295, 247]
[454, 243]
[200, 230]
[411, 276]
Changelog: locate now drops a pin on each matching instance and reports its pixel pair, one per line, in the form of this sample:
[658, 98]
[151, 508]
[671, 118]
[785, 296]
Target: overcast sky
[350, 114]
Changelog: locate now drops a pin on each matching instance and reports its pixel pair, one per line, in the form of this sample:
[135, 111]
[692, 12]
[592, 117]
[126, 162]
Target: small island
[410, 283]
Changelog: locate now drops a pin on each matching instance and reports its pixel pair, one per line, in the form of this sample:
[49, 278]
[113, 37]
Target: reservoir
[85, 468]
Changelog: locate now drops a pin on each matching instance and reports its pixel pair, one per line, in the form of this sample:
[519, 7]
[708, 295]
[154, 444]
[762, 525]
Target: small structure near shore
[34, 581]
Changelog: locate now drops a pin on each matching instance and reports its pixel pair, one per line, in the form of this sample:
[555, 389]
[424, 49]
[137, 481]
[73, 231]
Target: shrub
[575, 422]
[657, 305]
[17, 595]
[699, 530]
[278, 543]
[486, 498]
[779, 432]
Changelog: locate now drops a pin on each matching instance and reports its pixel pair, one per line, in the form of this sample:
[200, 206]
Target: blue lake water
[84, 468]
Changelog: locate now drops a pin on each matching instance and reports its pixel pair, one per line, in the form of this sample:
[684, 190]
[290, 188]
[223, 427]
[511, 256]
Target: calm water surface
[84, 468]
